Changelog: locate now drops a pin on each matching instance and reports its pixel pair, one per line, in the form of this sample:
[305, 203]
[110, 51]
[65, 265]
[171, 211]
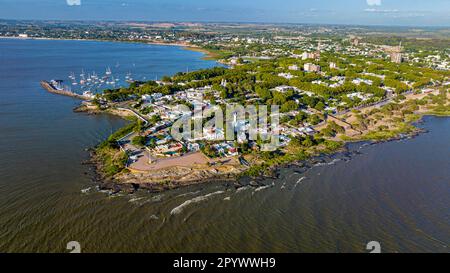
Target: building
[358, 81]
[293, 67]
[235, 60]
[359, 95]
[307, 55]
[285, 88]
[168, 150]
[333, 65]
[317, 53]
[314, 55]
[286, 75]
[223, 83]
[309, 67]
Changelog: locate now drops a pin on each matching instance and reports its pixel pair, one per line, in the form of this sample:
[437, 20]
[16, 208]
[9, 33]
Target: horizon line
[229, 22]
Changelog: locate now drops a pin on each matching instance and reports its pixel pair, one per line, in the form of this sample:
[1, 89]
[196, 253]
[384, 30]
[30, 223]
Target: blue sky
[364, 12]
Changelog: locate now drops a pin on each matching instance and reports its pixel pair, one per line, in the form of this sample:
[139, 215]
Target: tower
[317, 54]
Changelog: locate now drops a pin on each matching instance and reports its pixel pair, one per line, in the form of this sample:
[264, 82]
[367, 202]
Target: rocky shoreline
[159, 180]
[129, 182]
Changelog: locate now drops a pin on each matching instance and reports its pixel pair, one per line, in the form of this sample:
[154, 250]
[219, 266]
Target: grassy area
[108, 153]
[401, 128]
[292, 153]
[394, 119]
[440, 110]
[113, 160]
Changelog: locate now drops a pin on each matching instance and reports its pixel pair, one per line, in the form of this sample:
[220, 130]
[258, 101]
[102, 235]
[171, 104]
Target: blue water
[36, 125]
[43, 142]
[396, 193]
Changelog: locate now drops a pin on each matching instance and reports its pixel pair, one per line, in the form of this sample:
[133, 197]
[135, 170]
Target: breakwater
[50, 87]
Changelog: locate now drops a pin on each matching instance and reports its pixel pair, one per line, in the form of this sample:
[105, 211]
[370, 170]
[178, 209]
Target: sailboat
[108, 71]
[82, 80]
[128, 78]
[113, 81]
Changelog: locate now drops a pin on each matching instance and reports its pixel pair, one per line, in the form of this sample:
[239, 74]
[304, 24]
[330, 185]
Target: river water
[396, 193]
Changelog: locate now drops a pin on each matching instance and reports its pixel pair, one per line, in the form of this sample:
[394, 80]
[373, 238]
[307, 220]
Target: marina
[81, 89]
[98, 82]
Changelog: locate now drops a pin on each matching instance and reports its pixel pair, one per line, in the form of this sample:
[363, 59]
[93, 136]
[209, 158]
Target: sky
[350, 12]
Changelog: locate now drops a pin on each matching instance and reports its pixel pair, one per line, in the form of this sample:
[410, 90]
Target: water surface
[396, 193]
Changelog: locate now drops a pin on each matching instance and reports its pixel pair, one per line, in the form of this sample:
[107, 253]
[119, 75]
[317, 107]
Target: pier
[53, 88]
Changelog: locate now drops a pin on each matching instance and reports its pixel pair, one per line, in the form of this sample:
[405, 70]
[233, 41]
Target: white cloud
[374, 2]
[74, 2]
[382, 10]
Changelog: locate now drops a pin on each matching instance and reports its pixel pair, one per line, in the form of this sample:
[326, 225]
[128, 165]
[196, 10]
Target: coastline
[155, 181]
[172, 177]
[208, 55]
[176, 177]
[165, 179]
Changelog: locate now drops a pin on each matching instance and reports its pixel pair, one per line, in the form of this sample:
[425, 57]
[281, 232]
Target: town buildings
[309, 67]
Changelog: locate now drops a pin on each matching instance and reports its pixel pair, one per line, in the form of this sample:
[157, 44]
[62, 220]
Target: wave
[264, 187]
[188, 193]
[364, 145]
[135, 199]
[86, 190]
[242, 189]
[299, 181]
[116, 195]
[157, 198]
[332, 162]
[144, 200]
[198, 199]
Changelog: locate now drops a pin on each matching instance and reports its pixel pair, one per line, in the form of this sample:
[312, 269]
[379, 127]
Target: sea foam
[181, 207]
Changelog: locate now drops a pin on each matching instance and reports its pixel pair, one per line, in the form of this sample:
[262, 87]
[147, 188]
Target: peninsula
[329, 90]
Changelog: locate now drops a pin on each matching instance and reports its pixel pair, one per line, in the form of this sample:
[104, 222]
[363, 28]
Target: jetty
[54, 87]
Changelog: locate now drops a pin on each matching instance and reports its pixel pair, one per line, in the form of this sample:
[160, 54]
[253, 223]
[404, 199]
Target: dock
[52, 88]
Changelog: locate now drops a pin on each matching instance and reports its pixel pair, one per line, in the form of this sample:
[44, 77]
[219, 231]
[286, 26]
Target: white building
[285, 88]
[358, 81]
[286, 75]
[309, 67]
[307, 55]
[359, 95]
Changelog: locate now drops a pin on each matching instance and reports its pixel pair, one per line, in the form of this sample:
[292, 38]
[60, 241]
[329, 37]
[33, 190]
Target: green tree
[138, 141]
